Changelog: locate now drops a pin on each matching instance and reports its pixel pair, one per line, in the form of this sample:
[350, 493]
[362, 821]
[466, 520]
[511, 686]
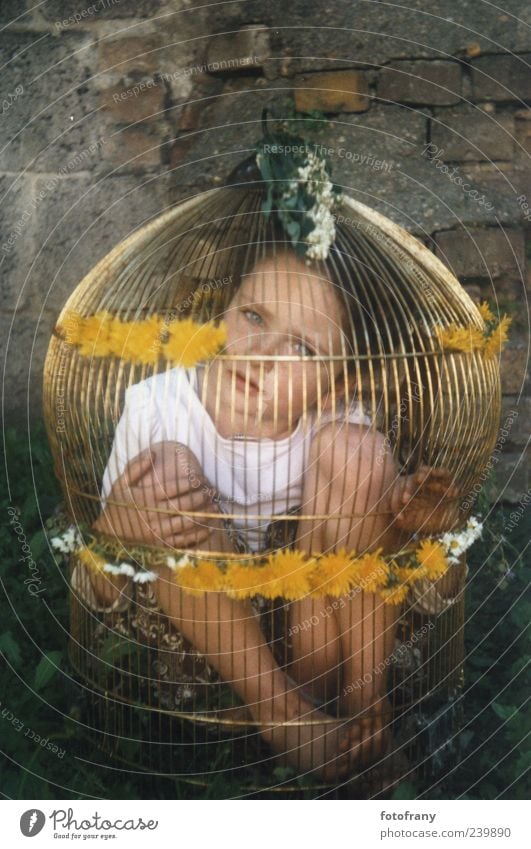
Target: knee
[353, 462]
[342, 452]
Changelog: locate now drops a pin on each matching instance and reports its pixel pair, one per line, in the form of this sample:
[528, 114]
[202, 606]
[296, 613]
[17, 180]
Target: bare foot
[311, 741]
[375, 722]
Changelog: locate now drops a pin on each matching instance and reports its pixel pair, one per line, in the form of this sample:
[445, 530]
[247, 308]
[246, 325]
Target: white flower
[67, 541]
[143, 577]
[119, 569]
[457, 543]
[178, 564]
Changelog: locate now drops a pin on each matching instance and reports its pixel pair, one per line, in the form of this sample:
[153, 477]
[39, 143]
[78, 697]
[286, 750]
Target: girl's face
[282, 309]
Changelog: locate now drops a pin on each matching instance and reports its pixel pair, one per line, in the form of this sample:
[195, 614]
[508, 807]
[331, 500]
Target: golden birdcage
[264, 654]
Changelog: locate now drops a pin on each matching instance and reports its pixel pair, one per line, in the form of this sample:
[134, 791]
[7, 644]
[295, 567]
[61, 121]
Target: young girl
[207, 458]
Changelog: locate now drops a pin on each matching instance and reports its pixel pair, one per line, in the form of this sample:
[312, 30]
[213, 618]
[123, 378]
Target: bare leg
[316, 647]
[345, 483]
[228, 633]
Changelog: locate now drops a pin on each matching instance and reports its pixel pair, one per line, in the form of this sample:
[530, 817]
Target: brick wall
[114, 109]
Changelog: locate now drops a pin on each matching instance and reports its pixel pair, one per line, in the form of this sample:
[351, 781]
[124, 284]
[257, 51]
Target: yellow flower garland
[182, 342]
[490, 340]
[292, 575]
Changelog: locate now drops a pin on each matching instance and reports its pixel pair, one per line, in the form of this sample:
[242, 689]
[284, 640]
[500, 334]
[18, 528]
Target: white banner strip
[264, 824]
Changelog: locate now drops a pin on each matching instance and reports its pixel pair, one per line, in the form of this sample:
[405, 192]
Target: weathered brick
[421, 82]
[190, 116]
[134, 148]
[469, 133]
[332, 91]
[512, 477]
[128, 106]
[522, 132]
[508, 181]
[236, 52]
[68, 12]
[322, 35]
[514, 368]
[80, 222]
[486, 253]
[502, 78]
[25, 337]
[45, 127]
[519, 432]
[140, 54]
[17, 218]
[221, 141]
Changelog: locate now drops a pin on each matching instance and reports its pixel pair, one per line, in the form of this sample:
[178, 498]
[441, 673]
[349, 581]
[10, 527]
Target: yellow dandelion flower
[485, 311]
[454, 338]
[104, 335]
[431, 556]
[71, 328]
[331, 574]
[137, 341]
[295, 586]
[497, 338]
[372, 572]
[90, 559]
[243, 580]
[205, 576]
[190, 343]
[395, 594]
[286, 575]
[409, 575]
[92, 334]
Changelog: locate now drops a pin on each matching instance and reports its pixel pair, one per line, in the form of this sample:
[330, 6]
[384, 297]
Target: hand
[422, 502]
[154, 488]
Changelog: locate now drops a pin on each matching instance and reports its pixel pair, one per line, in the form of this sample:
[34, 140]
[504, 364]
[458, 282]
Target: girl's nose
[268, 344]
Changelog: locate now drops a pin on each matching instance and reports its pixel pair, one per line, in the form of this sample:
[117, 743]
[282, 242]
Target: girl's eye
[253, 316]
[303, 349]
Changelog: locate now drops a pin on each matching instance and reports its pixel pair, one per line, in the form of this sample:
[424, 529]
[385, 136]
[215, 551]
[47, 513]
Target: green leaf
[291, 202]
[47, 668]
[29, 510]
[116, 647]
[265, 167]
[405, 790]
[283, 773]
[38, 544]
[521, 614]
[267, 203]
[503, 711]
[10, 648]
[293, 228]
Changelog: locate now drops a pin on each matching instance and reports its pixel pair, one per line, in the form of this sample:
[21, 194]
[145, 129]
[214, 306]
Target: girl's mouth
[241, 383]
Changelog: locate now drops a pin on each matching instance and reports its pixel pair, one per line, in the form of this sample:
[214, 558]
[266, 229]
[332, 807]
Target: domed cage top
[339, 354]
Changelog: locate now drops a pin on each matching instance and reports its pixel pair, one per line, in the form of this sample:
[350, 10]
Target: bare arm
[150, 501]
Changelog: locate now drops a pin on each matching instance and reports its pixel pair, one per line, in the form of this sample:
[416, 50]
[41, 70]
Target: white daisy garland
[456, 544]
[68, 541]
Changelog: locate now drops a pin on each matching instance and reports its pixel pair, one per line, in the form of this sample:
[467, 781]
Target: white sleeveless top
[256, 478]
